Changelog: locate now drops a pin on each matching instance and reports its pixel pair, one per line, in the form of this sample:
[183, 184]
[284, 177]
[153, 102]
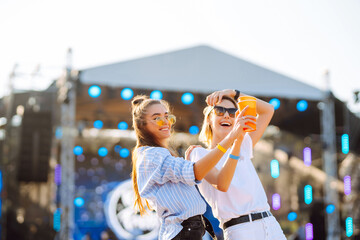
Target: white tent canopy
[199, 69]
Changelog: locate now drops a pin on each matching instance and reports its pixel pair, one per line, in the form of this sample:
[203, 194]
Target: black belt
[246, 218]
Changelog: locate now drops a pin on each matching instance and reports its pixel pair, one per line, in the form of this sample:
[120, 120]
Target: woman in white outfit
[243, 210]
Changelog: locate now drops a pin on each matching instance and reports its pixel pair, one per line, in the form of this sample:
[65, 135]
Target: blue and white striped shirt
[168, 183]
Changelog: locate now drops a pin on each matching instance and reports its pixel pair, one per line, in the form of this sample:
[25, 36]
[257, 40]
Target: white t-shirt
[245, 194]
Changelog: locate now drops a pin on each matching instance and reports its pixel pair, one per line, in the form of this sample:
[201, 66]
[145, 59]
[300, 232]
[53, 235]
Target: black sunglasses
[220, 111]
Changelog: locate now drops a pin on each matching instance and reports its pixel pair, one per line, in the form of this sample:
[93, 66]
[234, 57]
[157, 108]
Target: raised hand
[217, 96]
[240, 123]
[189, 150]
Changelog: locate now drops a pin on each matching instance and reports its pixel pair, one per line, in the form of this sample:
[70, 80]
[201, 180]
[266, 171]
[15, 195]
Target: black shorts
[193, 229]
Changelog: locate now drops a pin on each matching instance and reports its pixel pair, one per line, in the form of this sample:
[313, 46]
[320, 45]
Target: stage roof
[200, 69]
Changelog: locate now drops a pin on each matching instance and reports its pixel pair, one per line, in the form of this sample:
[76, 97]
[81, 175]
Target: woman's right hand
[238, 131]
[189, 150]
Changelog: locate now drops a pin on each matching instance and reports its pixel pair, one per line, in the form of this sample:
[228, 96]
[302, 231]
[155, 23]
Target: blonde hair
[206, 133]
[143, 138]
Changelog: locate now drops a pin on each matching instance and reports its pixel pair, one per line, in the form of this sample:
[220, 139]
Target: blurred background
[68, 72]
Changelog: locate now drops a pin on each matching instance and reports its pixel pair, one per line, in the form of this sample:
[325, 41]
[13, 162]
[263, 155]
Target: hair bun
[138, 100]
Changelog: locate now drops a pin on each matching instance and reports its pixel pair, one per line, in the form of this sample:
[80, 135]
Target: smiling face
[221, 125]
[162, 132]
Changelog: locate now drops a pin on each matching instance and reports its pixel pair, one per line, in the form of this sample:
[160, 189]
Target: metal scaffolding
[67, 99]
[330, 162]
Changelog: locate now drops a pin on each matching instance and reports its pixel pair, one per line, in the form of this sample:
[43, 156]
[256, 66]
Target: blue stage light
[292, 216]
[187, 98]
[1, 182]
[345, 143]
[78, 150]
[117, 148]
[79, 202]
[308, 194]
[57, 220]
[194, 130]
[102, 152]
[330, 208]
[156, 94]
[275, 168]
[123, 126]
[349, 227]
[98, 124]
[94, 91]
[124, 152]
[58, 133]
[127, 93]
[275, 102]
[302, 105]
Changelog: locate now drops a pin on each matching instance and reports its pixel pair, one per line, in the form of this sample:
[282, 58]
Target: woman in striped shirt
[166, 181]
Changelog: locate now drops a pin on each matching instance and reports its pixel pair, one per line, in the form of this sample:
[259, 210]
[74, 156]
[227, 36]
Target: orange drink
[251, 110]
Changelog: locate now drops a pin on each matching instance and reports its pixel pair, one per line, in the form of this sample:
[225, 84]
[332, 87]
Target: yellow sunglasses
[160, 121]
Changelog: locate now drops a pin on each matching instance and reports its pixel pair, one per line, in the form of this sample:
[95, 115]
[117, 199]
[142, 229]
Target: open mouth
[164, 129]
[225, 124]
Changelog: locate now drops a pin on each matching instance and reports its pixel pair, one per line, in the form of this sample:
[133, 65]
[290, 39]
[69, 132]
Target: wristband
[237, 94]
[234, 157]
[221, 148]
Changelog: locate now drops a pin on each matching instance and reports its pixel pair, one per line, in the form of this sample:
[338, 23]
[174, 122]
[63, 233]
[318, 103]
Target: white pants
[263, 229]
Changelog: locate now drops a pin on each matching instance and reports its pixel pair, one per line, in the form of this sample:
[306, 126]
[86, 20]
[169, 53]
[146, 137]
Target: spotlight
[124, 152]
[156, 94]
[78, 150]
[57, 176]
[308, 194]
[58, 133]
[98, 124]
[127, 93]
[102, 152]
[1, 181]
[309, 231]
[122, 126]
[302, 105]
[94, 91]
[345, 143]
[347, 185]
[79, 202]
[187, 98]
[292, 216]
[307, 156]
[275, 168]
[275, 102]
[276, 201]
[330, 208]
[193, 130]
[349, 227]
[57, 220]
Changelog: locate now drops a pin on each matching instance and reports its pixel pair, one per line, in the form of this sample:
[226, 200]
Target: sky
[297, 38]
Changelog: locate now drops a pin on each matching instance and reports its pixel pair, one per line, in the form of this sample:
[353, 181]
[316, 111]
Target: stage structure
[91, 148]
[185, 77]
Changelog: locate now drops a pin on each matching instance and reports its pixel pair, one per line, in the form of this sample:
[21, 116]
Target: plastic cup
[251, 110]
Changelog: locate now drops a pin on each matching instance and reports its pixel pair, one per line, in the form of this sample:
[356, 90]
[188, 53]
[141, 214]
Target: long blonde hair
[206, 133]
[143, 138]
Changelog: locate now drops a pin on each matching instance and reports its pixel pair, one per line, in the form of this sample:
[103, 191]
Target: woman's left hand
[217, 96]
[189, 150]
